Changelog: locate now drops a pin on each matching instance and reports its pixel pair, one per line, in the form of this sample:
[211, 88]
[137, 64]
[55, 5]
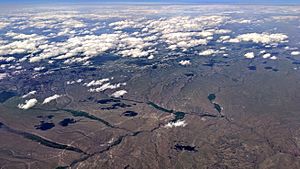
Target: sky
[152, 1]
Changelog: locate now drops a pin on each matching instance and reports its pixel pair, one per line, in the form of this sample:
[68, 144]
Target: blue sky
[153, 1]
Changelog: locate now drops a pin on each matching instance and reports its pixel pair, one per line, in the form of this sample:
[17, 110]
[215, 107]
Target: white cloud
[28, 104]
[249, 55]
[208, 52]
[134, 53]
[96, 82]
[119, 93]
[7, 59]
[179, 123]
[3, 75]
[3, 24]
[185, 62]
[267, 55]
[107, 86]
[22, 43]
[51, 98]
[29, 94]
[295, 53]
[75, 81]
[264, 38]
[39, 68]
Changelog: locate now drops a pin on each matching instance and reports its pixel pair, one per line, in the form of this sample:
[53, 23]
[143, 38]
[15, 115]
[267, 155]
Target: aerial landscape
[149, 85]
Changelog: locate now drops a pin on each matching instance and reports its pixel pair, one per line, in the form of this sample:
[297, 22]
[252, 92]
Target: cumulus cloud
[107, 86]
[249, 55]
[3, 75]
[22, 43]
[74, 81]
[28, 104]
[267, 55]
[185, 62]
[39, 68]
[208, 52]
[295, 53]
[7, 59]
[179, 123]
[96, 82]
[29, 94]
[51, 98]
[3, 24]
[119, 93]
[265, 38]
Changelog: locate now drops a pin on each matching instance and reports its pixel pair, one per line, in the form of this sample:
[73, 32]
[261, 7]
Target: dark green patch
[159, 108]
[218, 107]
[211, 97]
[87, 115]
[4, 95]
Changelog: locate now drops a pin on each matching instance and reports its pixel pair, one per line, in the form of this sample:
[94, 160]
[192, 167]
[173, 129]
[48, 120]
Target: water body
[252, 67]
[189, 74]
[207, 115]
[116, 106]
[211, 97]
[44, 126]
[41, 140]
[107, 101]
[5, 95]
[129, 114]
[87, 115]
[218, 107]
[268, 67]
[180, 147]
[45, 117]
[67, 121]
[178, 115]
[159, 107]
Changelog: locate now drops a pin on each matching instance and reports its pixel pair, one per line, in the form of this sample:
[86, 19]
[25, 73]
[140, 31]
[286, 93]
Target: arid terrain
[179, 86]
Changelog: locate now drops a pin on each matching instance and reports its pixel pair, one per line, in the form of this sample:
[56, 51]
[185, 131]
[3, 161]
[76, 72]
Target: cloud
[51, 98]
[119, 93]
[3, 24]
[179, 123]
[7, 59]
[29, 94]
[249, 55]
[185, 62]
[295, 53]
[39, 68]
[208, 52]
[264, 38]
[28, 104]
[22, 43]
[267, 55]
[3, 75]
[75, 81]
[107, 86]
[96, 82]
